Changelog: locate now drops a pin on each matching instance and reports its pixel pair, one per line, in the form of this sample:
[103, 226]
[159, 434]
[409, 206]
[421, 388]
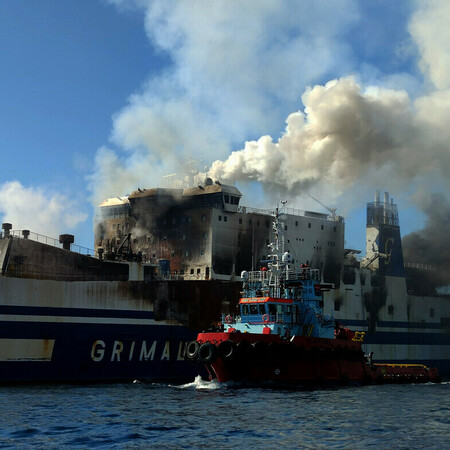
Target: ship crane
[375, 256]
[332, 210]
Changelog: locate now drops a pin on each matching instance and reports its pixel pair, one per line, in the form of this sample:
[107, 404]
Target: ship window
[334, 228]
[225, 218]
[198, 271]
[250, 222]
[203, 218]
[205, 235]
[431, 312]
[244, 310]
[285, 228]
[253, 309]
[186, 253]
[296, 223]
[267, 224]
[240, 221]
[220, 218]
[321, 227]
[172, 253]
[391, 309]
[227, 198]
[202, 251]
[309, 224]
[192, 271]
[272, 309]
[262, 310]
[337, 306]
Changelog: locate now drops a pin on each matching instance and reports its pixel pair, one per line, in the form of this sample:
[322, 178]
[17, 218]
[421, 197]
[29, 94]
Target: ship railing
[419, 266]
[230, 319]
[305, 273]
[256, 276]
[42, 239]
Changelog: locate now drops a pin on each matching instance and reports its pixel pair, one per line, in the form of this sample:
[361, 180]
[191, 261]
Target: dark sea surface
[208, 415]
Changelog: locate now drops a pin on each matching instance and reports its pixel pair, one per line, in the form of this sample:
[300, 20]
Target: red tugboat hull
[303, 360]
[266, 358]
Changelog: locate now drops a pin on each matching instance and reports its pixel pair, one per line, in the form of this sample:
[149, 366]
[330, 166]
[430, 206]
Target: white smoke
[37, 209]
[236, 73]
[344, 136]
[431, 33]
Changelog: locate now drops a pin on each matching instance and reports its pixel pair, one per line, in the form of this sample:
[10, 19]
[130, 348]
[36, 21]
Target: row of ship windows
[173, 253]
[188, 219]
[192, 271]
[267, 223]
[231, 199]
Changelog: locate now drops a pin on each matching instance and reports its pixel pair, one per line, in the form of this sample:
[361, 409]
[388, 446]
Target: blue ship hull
[82, 348]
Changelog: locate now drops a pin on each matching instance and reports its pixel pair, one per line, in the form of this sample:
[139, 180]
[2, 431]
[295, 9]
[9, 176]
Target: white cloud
[38, 210]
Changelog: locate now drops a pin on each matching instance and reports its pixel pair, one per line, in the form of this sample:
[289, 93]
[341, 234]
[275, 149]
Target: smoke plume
[236, 74]
[430, 246]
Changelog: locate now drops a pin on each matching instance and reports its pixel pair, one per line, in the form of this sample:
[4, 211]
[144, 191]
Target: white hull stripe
[93, 320]
[402, 352]
[26, 349]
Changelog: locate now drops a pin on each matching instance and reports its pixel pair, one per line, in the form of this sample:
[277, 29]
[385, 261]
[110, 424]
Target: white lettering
[130, 357]
[117, 350]
[97, 354]
[150, 354]
[166, 352]
[181, 351]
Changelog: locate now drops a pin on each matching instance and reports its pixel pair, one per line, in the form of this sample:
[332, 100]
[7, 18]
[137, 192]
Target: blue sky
[100, 97]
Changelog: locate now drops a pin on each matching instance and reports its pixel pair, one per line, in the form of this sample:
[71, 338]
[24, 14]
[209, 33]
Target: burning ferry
[167, 263]
[203, 233]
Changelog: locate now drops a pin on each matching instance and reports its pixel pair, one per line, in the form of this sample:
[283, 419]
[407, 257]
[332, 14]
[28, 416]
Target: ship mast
[279, 261]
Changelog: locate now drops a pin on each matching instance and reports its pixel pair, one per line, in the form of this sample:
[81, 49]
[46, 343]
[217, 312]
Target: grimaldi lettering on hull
[135, 351]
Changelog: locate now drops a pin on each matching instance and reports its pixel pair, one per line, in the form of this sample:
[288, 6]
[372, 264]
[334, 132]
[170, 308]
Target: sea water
[212, 415]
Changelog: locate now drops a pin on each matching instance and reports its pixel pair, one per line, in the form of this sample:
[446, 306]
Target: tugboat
[282, 334]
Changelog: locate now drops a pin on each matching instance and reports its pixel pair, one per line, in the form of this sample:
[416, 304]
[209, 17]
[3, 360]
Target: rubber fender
[207, 353]
[192, 349]
[226, 349]
[243, 348]
[260, 348]
[274, 349]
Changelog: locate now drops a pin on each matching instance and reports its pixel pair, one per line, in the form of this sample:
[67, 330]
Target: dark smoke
[431, 245]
